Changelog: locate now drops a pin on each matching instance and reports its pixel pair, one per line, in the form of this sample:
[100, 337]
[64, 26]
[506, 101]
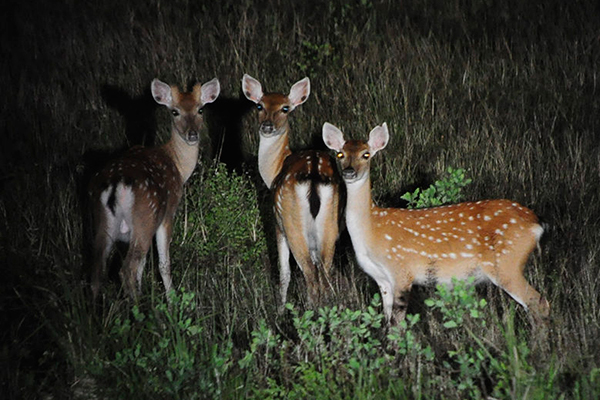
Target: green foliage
[444, 191]
[405, 342]
[457, 302]
[337, 353]
[222, 223]
[459, 307]
[161, 353]
[313, 57]
[475, 360]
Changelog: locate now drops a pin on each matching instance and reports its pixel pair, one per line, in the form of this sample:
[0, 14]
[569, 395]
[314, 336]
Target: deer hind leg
[299, 247]
[509, 276]
[520, 290]
[134, 263]
[285, 273]
[103, 244]
[163, 241]
[327, 224]
[104, 240]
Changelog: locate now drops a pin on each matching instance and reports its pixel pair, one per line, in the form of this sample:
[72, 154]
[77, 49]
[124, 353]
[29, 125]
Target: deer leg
[329, 235]
[135, 262]
[102, 246]
[520, 290]
[299, 248]
[509, 276]
[401, 298]
[387, 297]
[103, 243]
[284, 266]
[163, 241]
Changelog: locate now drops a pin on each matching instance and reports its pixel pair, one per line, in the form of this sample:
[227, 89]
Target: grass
[507, 92]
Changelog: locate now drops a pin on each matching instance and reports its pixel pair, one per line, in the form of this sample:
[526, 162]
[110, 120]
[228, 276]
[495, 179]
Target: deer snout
[267, 128]
[193, 136]
[349, 173]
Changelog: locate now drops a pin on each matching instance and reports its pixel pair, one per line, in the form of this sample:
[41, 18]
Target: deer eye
[285, 109]
[340, 155]
[259, 107]
[175, 113]
[366, 155]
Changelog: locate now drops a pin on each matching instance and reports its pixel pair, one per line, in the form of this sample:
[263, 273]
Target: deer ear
[252, 88]
[378, 138]
[161, 92]
[210, 91]
[333, 137]
[299, 92]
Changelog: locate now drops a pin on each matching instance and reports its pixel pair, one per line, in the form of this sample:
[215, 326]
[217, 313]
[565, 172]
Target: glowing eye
[340, 155]
[259, 107]
[175, 113]
[200, 110]
[366, 155]
[285, 109]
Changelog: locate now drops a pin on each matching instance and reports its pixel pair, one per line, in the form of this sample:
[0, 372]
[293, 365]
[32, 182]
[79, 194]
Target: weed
[444, 191]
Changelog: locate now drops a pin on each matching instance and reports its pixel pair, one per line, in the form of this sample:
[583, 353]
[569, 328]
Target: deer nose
[349, 173]
[192, 136]
[267, 127]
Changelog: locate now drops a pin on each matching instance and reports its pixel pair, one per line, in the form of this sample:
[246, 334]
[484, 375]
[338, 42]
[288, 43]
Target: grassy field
[509, 92]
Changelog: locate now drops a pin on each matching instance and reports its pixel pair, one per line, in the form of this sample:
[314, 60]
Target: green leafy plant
[444, 191]
[162, 351]
[336, 353]
[222, 220]
[457, 302]
[314, 56]
[458, 305]
[474, 360]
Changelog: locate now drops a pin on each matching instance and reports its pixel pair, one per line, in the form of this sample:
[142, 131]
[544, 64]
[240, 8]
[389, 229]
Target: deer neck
[184, 155]
[272, 151]
[359, 210]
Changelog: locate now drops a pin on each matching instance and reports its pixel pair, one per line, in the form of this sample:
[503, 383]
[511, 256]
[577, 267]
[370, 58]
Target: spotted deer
[136, 195]
[305, 187]
[488, 240]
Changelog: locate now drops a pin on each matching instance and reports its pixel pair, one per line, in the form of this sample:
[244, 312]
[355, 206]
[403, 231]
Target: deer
[305, 186]
[488, 240]
[135, 196]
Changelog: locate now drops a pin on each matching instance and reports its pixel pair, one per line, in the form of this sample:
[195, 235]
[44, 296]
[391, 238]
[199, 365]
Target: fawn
[135, 196]
[305, 187]
[489, 240]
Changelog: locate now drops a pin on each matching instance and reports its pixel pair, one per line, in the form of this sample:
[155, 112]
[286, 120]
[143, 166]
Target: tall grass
[508, 92]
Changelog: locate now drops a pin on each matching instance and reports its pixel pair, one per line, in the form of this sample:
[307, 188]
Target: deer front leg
[401, 298]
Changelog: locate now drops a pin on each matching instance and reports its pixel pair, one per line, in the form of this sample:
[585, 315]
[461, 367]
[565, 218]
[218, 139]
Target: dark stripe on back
[112, 199]
[313, 200]
[304, 167]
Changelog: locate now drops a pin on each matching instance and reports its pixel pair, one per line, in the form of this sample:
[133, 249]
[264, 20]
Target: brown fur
[136, 195]
[488, 240]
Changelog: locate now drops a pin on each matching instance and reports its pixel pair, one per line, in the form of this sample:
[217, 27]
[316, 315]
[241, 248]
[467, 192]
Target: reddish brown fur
[488, 240]
[305, 188]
